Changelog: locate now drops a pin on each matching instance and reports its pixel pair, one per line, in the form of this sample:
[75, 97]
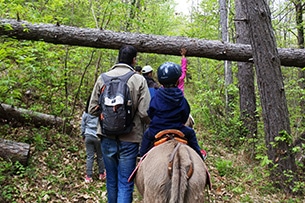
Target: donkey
[172, 172]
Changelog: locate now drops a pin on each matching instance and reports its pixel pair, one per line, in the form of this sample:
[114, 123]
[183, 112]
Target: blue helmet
[169, 73]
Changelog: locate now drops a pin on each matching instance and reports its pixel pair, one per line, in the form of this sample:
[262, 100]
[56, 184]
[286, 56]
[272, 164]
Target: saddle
[169, 134]
[160, 138]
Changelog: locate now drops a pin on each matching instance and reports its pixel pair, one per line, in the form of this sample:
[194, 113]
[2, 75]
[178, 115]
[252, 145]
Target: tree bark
[12, 113]
[247, 99]
[15, 151]
[169, 45]
[272, 95]
[227, 64]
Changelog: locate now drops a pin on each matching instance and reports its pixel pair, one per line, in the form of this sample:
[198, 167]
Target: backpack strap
[124, 78]
[107, 79]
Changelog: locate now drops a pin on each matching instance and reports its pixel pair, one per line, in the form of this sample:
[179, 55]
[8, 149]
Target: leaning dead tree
[11, 113]
[169, 45]
[18, 151]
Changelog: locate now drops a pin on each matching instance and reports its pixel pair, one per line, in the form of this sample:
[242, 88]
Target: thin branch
[81, 82]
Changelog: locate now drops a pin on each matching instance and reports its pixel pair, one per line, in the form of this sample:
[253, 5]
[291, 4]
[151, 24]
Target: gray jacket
[140, 101]
[88, 125]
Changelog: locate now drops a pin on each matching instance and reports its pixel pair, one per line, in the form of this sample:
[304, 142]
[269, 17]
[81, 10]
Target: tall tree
[272, 94]
[224, 22]
[247, 100]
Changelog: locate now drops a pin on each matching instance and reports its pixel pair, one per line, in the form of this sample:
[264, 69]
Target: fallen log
[15, 151]
[170, 45]
[21, 115]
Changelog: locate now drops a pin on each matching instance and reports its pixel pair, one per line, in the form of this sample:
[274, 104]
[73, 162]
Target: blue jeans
[120, 160]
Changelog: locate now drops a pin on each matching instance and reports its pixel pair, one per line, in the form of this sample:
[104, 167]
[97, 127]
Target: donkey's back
[172, 173]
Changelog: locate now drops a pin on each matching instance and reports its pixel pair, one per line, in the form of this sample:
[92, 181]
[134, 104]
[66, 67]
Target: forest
[245, 85]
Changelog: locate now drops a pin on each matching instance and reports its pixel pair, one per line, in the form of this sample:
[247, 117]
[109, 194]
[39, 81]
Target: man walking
[120, 151]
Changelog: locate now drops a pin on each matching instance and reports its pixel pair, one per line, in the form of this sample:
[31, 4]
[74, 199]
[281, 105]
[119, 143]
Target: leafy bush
[224, 167]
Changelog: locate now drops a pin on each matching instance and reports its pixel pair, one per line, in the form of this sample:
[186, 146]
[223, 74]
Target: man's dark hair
[127, 53]
[138, 68]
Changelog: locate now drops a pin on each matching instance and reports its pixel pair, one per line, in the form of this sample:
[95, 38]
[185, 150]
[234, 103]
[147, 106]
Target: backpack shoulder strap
[106, 78]
[126, 76]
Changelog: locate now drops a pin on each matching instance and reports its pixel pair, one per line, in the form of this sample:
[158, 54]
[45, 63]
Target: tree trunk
[169, 45]
[272, 95]
[15, 151]
[300, 29]
[247, 99]
[12, 113]
[227, 64]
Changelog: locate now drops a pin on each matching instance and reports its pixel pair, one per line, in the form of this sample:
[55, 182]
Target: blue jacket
[168, 110]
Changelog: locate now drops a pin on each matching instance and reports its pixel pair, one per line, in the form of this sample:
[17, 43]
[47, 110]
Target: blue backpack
[116, 105]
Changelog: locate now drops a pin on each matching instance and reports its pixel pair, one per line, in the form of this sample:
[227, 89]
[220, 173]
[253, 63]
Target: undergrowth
[56, 170]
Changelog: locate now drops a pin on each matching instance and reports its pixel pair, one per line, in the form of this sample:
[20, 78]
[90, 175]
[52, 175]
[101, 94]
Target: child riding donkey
[169, 109]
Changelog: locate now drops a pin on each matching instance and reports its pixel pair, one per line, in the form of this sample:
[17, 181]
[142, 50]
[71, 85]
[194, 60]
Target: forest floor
[57, 167]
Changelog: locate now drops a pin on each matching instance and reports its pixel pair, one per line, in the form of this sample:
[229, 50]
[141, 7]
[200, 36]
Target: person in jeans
[169, 109]
[93, 145]
[120, 152]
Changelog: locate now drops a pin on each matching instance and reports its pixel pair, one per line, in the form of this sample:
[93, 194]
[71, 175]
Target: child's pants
[93, 145]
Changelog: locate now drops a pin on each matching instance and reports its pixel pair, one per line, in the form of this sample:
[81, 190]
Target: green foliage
[299, 187]
[246, 198]
[4, 169]
[53, 160]
[205, 21]
[7, 171]
[59, 79]
[263, 158]
[283, 137]
[40, 142]
[52, 72]
[208, 103]
[55, 173]
[294, 90]
[224, 167]
[8, 193]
